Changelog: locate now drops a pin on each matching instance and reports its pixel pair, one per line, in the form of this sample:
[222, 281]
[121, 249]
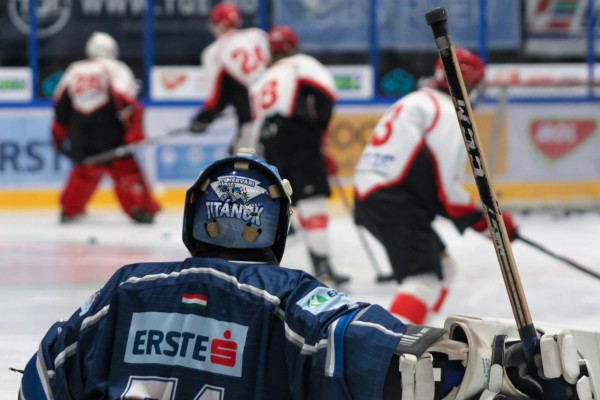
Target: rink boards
[541, 153]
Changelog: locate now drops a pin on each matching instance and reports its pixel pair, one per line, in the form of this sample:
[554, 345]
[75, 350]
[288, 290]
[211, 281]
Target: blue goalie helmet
[238, 208]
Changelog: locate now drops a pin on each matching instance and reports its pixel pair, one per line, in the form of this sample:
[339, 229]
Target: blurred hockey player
[95, 110]
[233, 61]
[292, 104]
[230, 323]
[410, 172]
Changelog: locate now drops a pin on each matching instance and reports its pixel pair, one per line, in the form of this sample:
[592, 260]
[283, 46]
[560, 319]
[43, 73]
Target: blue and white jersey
[206, 328]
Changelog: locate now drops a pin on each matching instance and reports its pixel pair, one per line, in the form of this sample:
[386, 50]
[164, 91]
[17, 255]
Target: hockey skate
[324, 272]
[68, 219]
[142, 217]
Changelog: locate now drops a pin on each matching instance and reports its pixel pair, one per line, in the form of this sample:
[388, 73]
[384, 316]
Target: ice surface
[47, 270]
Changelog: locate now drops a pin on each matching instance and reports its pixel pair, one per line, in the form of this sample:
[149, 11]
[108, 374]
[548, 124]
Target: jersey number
[250, 60]
[87, 83]
[386, 123]
[157, 388]
[267, 96]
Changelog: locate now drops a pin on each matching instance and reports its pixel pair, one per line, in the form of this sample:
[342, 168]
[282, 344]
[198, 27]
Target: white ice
[47, 270]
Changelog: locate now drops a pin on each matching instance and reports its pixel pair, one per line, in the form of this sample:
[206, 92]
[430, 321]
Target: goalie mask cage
[541, 137]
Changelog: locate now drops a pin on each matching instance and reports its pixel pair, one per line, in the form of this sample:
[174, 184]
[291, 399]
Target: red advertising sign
[557, 137]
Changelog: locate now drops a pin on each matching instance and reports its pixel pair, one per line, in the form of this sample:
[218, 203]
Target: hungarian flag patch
[194, 300]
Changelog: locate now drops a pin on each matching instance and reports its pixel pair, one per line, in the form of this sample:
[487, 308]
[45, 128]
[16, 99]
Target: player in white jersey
[232, 62]
[292, 104]
[96, 110]
[411, 171]
[231, 323]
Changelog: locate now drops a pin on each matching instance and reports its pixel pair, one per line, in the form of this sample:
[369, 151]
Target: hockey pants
[129, 184]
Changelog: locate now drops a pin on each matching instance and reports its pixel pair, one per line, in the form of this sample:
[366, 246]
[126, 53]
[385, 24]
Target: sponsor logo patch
[323, 299]
[555, 138]
[187, 340]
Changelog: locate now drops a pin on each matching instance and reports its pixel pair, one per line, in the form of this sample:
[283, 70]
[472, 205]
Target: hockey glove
[133, 124]
[331, 166]
[59, 133]
[496, 366]
[60, 139]
[481, 226]
[268, 130]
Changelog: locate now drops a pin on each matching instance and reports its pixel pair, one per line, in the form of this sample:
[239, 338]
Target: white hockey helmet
[103, 45]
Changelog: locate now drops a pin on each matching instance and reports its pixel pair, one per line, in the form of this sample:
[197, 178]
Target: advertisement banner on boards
[558, 28]
[542, 80]
[15, 84]
[173, 83]
[177, 160]
[27, 158]
[544, 142]
[178, 83]
[553, 142]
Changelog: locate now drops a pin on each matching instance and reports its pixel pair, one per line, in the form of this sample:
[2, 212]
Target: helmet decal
[237, 203]
[234, 194]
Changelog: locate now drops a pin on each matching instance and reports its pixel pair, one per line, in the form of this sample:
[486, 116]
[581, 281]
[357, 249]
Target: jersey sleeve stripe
[335, 350]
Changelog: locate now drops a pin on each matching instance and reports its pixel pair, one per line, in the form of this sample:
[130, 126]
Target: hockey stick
[127, 149]
[437, 19]
[559, 257]
[381, 277]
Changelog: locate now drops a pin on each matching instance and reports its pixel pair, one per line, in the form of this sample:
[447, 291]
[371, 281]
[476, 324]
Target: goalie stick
[437, 19]
[127, 149]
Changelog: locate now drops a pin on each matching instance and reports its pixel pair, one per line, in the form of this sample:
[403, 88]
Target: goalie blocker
[484, 358]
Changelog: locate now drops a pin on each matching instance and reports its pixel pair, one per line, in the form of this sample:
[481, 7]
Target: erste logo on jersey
[234, 194]
[187, 340]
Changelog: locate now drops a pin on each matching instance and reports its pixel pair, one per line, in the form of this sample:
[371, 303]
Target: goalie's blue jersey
[206, 328]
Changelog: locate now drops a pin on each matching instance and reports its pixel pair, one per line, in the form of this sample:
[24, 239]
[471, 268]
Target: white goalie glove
[483, 358]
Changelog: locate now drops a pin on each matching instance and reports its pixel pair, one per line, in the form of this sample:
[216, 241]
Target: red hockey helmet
[226, 14]
[282, 39]
[471, 65]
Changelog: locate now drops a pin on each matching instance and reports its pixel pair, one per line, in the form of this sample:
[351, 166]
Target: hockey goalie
[231, 323]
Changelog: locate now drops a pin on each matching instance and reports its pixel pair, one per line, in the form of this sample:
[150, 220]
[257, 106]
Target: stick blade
[385, 278]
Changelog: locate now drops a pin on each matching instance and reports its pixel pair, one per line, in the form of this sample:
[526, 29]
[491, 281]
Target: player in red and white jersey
[292, 104]
[236, 59]
[410, 172]
[96, 110]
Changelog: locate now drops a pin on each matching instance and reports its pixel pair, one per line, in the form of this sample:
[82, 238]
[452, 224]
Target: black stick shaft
[437, 18]
[559, 257]
[127, 149]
